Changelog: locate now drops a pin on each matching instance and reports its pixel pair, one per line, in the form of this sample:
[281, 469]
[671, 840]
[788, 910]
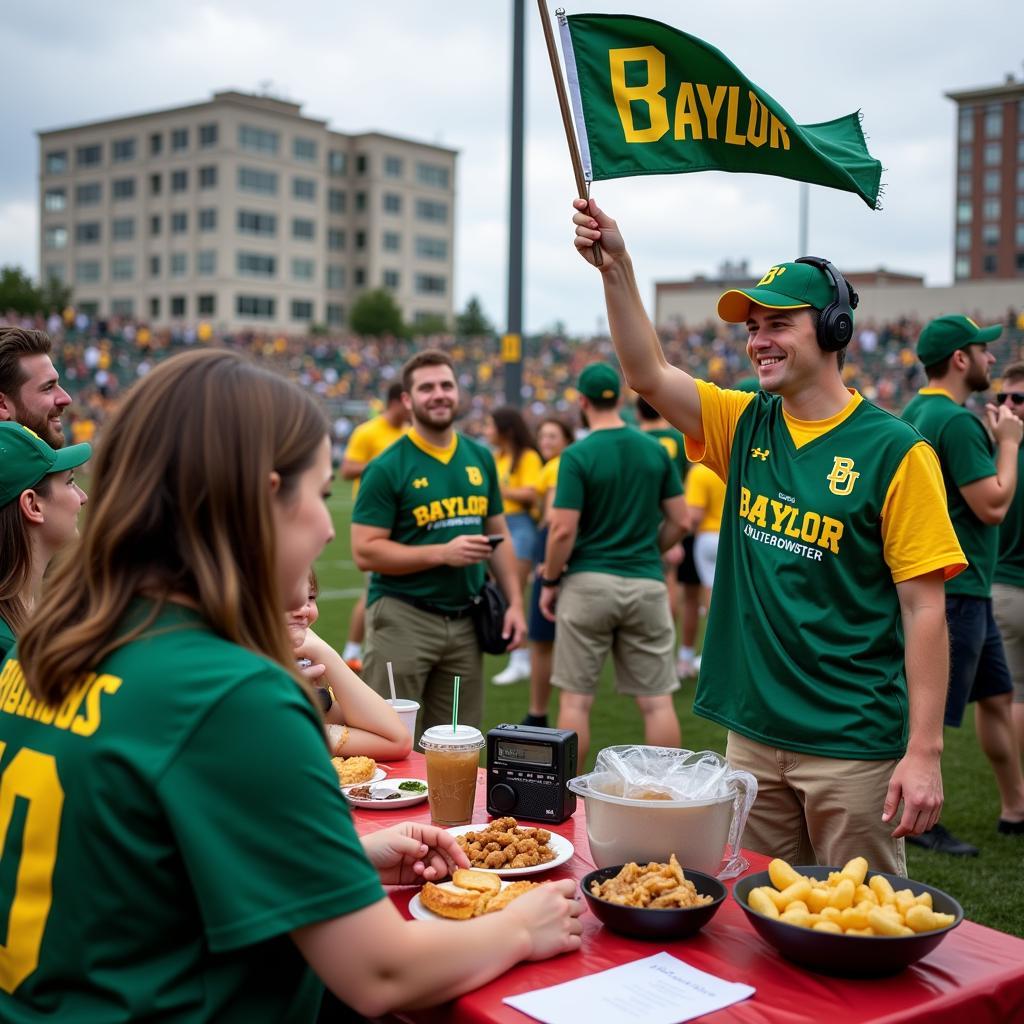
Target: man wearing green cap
[828, 546]
[979, 490]
[618, 505]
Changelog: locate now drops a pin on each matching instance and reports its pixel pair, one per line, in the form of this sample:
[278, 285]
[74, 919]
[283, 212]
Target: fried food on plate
[352, 770]
[477, 881]
[505, 844]
[507, 895]
[471, 894]
[456, 904]
[654, 887]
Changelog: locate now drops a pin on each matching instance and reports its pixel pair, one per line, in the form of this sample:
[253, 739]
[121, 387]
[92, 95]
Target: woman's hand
[411, 853]
[550, 914]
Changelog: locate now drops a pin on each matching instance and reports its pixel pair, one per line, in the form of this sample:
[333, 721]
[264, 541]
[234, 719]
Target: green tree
[376, 313]
[17, 292]
[55, 296]
[429, 323]
[472, 321]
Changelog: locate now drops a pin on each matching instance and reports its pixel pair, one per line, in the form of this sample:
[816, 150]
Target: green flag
[649, 99]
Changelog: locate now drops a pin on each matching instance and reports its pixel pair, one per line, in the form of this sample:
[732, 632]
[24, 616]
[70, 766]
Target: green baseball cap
[25, 458]
[942, 337]
[785, 286]
[599, 380]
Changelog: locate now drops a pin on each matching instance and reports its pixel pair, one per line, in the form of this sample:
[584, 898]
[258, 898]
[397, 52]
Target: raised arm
[670, 390]
[989, 498]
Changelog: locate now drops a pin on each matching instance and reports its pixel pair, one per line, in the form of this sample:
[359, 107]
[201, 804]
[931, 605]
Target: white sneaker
[512, 673]
[685, 667]
[696, 665]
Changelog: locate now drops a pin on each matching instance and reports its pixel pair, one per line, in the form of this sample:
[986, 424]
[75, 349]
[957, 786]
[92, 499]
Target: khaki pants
[1008, 609]
[817, 810]
[426, 652]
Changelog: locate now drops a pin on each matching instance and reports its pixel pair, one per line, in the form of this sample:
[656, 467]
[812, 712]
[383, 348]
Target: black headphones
[835, 321]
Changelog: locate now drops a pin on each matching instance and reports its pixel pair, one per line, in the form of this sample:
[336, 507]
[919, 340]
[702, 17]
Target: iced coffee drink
[453, 757]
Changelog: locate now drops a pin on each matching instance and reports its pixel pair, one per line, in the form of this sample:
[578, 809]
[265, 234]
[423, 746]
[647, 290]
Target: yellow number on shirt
[33, 777]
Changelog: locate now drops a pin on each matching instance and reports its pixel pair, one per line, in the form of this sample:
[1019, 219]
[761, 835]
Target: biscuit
[352, 770]
[477, 881]
[456, 904]
[507, 895]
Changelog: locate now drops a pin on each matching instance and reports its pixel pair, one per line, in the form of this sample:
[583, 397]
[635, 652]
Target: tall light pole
[512, 342]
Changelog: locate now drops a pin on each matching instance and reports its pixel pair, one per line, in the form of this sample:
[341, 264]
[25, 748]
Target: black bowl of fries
[653, 901]
[919, 918]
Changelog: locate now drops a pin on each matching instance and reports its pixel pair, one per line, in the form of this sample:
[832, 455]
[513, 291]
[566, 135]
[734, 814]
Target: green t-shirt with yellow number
[427, 495]
[167, 827]
[617, 479]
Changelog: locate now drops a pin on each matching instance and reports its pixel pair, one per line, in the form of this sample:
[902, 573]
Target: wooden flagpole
[563, 105]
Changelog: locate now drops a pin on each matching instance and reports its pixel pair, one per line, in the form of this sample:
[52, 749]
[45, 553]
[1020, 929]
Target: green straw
[455, 707]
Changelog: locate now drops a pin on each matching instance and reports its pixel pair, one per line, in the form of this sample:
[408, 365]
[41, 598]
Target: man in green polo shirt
[618, 505]
[979, 490]
[421, 523]
[829, 544]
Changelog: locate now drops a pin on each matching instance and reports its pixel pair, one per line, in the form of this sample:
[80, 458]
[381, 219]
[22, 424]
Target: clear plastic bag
[636, 772]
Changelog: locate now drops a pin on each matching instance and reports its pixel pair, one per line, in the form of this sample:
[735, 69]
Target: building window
[252, 223]
[392, 202]
[122, 268]
[336, 201]
[335, 314]
[431, 248]
[178, 305]
[89, 307]
[303, 229]
[122, 229]
[88, 156]
[209, 135]
[993, 154]
[963, 239]
[1020, 206]
[208, 176]
[337, 162]
[154, 307]
[122, 188]
[252, 180]
[208, 219]
[206, 305]
[360, 241]
[1020, 152]
[179, 181]
[303, 270]
[962, 268]
[1020, 234]
[335, 239]
[428, 210]
[206, 262]
[122, 149]
[87, 271]
[431, 284]
[179, 139]
[391, 241]
[255, 264]
[992, 181]
[56, 272]
[335, 277]
[87, 195]
[994, 121]
[964, 212]
[302, 309]
[989, 264]
[394, 167]
[304, 149]
[87, 233]
[179, 264]
[179, 223]
[965, 158]
[258, 140]
[57, 161]
[360, 201]
[359, 277]
[154, 266]
[156, 184]
[156, 144]
[122, 307]
[55, 199]
[55, 238]
[255, 306]
[990, 209]
[990, 234]
[432, 175]
[966, 129]
[1020, 179]
[154, 224]
[391, 278]
[362, 164]
[304, 188]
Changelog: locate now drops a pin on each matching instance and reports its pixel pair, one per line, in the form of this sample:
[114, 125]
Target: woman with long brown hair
[185, 851]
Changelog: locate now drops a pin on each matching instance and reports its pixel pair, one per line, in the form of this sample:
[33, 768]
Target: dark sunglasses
[1017, 397]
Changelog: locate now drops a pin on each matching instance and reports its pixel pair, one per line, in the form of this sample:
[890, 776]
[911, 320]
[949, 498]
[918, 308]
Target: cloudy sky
[441, 72]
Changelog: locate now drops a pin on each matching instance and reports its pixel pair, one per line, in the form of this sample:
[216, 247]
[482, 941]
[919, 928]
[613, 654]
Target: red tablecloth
[975, 976]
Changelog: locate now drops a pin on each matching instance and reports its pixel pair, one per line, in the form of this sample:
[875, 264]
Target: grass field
[989, 886]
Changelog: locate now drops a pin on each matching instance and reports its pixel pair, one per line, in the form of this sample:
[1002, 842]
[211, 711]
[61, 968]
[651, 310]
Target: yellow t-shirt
[705, 490]
[369, 439]
[526, 474]
[915, 540]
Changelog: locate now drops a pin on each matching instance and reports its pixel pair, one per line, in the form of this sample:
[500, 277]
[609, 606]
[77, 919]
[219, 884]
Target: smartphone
[495, 539]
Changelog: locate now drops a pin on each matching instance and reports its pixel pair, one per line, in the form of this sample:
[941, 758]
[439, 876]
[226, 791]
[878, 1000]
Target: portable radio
[527, 772]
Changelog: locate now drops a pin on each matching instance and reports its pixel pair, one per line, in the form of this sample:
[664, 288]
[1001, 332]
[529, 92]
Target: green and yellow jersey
[525, 474]
[1010, 563]
[705, 490]
[6, 637]
[966, 455]
[617, 479]
[369, 439]
[428, 495]
[673, 442]
[804, 646]
[166, 828]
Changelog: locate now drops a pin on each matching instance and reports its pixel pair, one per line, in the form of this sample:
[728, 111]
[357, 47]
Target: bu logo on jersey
[420, 481]
[760, 453]
[842, 478]
[476, 478]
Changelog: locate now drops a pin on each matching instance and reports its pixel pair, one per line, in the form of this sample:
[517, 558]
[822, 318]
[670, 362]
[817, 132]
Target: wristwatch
[549, 583]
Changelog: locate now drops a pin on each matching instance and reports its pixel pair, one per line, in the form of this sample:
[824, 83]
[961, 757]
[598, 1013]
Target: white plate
[378, 774]
[421, 913]
[405, 800]
[559, 845]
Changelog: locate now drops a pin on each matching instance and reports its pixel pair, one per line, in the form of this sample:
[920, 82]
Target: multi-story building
[989, 182]
[240, 211]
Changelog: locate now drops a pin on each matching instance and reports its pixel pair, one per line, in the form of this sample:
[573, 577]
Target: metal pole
[512, 346]
[801, 245]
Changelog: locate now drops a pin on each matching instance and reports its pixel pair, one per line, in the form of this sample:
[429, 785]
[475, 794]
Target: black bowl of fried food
[653, 901]
[851, 954]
